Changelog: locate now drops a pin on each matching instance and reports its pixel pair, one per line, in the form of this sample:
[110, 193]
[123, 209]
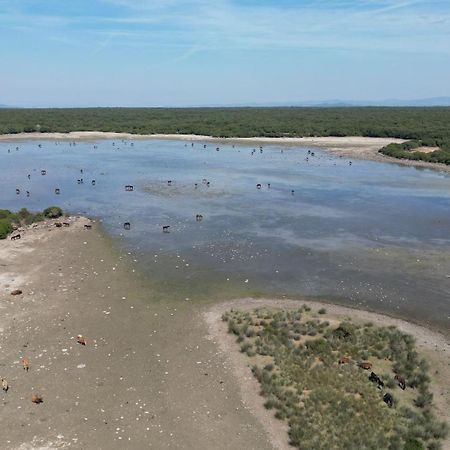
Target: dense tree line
[430, 126]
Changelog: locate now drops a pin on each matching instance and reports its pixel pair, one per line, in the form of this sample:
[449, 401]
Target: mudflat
[148, 376]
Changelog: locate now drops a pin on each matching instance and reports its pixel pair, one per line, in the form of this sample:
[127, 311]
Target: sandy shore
[154, 373]
[148, 376]
[433, 346]
[356, 147]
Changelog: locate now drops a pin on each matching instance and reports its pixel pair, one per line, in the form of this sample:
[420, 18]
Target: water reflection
[363, 234]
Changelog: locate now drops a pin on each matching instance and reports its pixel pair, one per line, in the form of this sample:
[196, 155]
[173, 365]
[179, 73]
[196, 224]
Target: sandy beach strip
[434, 346]
[355, 147]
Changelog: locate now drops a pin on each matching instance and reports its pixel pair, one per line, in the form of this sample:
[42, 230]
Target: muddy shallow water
[364, 234]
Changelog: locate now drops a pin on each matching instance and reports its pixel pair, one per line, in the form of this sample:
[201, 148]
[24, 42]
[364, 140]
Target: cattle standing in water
[43, 172]
[93, 182]
[388, 399]
[129, 188]
[29, 176]
[258, 186]
[169, 182]
[198, 217]
[268, 185]
[17, 191]
[166, 228]
[400, 381]
[127, 225]
[15, 237]
[292, 192]
[196, 185]
[57, 191]
[28, 193]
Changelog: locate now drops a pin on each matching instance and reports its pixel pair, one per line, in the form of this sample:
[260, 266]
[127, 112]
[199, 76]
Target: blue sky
[198, 52]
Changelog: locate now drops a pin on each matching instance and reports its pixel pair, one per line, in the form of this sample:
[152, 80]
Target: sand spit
[147, 376]
[432, 345]
[356, 147]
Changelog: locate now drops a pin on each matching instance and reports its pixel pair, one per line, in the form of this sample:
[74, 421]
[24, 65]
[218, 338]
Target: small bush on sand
[53, 212]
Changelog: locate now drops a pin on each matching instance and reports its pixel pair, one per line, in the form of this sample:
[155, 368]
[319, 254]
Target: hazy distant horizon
[221, 52]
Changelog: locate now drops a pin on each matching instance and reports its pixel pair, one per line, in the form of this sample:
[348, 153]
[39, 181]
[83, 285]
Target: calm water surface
[366, 234]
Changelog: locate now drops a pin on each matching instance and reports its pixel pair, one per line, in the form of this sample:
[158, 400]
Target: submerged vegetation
[338, 384]
[9, 221]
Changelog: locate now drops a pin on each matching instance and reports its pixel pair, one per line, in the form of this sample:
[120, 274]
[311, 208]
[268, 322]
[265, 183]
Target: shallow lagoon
[366, 234]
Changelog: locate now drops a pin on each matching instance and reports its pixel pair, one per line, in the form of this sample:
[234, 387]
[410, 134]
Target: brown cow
[5, 386]
[36, 398]
[365, 365]
[16, 292]
[345, 360]
[81, 339]
[26, 364]
[400, 381]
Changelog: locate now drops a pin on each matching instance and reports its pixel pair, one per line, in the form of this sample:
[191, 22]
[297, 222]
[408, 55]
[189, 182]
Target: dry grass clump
[309, 374]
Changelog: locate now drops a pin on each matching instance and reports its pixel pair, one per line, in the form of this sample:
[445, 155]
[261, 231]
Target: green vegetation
[420, 126]
[9, 220]
[407, 151]
[405, 123]
[309, 374]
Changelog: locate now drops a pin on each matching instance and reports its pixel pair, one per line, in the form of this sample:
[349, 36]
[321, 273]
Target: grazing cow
[58, 225]
[57, 191]
[345, 360]
[374, 378]
[17, 191]
[81, 339]
[127, 225]
[66, 224]
[400, 381]
[16, 292]
[166, 228]
[26, 364]
[129, 187]
[365, 365]
[15, 237]
[87, 226]
[43, 172]
[198, 217]
[5, 386]
[258, 186]
[36, 398]
[388, 399]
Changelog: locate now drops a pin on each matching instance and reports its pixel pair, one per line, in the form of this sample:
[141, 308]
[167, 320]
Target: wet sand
[154, 373]
[147, 378]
